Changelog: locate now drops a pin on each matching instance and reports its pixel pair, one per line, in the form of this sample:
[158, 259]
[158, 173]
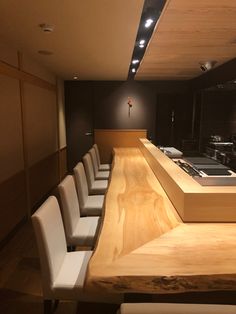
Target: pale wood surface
[189, 32]
[194, 202]
[145, 247]
[106, 139]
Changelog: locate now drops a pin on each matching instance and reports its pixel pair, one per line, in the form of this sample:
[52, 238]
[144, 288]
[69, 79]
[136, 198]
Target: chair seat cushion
[102, 175]
[85, 231]
[99, 187]
[93, 205]
[71, 275]
[104, 167]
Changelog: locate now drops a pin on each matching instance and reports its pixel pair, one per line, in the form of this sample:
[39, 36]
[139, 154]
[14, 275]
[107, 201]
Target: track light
[148, 23]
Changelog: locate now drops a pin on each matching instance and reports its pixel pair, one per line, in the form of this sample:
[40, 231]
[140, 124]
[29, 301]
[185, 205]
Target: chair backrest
[92, 153]
[97, 154]
[50, 236]
[69, 205]
[88, 169]
[81, 184]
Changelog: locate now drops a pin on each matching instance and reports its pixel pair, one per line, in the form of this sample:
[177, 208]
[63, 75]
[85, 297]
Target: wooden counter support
[145, 247]
[194, 203]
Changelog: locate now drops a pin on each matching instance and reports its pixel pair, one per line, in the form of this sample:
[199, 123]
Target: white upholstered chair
[94, 186]
[101, 167]
[99, 175]
[90, 205]
[175, 308]
[80, 231]
[63, 273]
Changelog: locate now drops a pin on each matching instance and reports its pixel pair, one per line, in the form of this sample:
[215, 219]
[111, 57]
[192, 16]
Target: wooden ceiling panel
[188, 33]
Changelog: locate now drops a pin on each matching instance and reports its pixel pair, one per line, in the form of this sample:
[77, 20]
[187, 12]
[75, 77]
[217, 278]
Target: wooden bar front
[194, 202]
[145, 247]
[106, 139]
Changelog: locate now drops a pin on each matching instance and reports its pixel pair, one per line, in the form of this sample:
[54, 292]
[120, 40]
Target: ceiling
[92, 38]
[190, 32]
[95, 38]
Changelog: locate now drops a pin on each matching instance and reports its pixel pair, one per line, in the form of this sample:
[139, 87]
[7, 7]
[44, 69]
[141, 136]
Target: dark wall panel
[43, 177]
[218, 114]
[13, 203]
[221, 74]
[104, 105]
[174, 119]
[79, 120]
[63, 162]
[111, 109]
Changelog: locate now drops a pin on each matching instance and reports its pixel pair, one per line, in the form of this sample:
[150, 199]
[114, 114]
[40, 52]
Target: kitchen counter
[193, 201]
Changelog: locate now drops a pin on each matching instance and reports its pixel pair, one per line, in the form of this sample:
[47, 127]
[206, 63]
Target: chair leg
[47, 306]
[71, 248]
[56, 302]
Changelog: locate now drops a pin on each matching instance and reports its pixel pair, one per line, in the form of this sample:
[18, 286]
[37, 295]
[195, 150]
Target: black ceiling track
[151, 10]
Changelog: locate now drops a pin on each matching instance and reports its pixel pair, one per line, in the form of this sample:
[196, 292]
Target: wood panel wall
[32, 138]
[107, 139]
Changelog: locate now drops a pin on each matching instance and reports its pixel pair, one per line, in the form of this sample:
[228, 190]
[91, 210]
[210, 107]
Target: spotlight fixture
[75, 77]
[135, 61]
[141, 43]
[148, 23]
[207, 65]
[133, 70]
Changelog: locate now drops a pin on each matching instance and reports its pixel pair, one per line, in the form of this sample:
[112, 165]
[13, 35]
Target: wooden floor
[20, 285]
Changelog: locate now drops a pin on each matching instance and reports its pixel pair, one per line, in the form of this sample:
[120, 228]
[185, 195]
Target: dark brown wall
[104, 105]
[221, 74]
[218, 114]
[29, 138]
[111, 110]
[174, 119]
[79, 120]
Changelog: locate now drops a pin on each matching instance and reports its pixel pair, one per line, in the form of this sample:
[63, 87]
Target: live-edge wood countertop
[145, 247]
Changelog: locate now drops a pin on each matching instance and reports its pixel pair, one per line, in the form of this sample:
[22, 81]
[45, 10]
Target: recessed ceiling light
[45, 52]
[142, 42]
[47, 28]
[135, 61]
[141, 46]
[133, 70]
[75, 77]
[148, 22]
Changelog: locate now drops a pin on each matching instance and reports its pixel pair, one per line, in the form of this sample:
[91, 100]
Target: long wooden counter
[194, 203]
[145, 247]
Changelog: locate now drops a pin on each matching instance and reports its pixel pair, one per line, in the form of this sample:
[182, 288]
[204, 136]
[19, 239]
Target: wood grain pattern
[145, 247]
[189, 32]
[106, 139]
[193, 201]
